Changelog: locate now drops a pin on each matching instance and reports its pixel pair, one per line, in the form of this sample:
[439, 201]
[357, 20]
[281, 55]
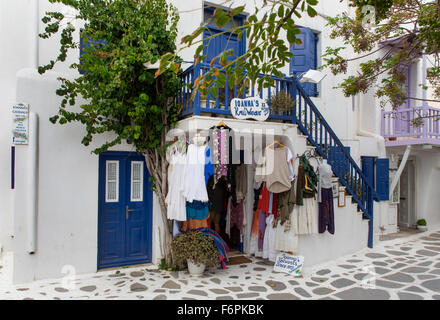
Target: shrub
[196, 247]
[421, 222]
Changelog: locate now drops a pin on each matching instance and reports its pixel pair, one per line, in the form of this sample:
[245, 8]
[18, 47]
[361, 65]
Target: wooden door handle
[127, 212]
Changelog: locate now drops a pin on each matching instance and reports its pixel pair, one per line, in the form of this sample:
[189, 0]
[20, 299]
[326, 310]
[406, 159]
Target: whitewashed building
[53, 190]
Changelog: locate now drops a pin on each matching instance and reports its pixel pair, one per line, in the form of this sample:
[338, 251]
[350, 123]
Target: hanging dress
[176, 209]
[194, 185]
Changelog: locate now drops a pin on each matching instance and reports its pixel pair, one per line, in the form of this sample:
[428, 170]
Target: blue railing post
[370, 205]
[293, 93]
[197, 73]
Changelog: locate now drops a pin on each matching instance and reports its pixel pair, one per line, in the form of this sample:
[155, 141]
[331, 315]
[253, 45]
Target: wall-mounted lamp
[313, 76]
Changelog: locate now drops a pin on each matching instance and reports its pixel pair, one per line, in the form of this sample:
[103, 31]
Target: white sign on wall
[288, 263]
[250, 108]
[20, 123]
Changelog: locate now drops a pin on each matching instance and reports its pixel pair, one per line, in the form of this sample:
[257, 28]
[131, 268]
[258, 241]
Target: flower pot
[422, 228]
[392, 138]
[194, 269]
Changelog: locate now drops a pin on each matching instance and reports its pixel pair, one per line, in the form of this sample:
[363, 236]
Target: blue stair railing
[321, 136]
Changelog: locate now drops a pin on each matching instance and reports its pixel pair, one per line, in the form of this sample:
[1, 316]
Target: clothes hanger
[221, 123]
[277, 142]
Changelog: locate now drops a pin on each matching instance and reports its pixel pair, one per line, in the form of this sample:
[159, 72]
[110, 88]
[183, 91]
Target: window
[111, 181]
[137, 181]
[305, 58]
[84, 43]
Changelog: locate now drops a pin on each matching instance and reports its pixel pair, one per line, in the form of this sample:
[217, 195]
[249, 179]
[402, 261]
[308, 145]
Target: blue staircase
[321, 136]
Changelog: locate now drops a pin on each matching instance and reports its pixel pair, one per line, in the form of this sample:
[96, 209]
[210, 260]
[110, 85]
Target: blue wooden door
[125, 210]
[305, 58]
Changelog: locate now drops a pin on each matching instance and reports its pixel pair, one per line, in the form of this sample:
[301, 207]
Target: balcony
[411, 126]
[220, 105]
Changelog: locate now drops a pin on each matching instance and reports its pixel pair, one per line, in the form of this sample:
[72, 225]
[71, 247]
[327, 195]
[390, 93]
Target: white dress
[269, 251]
[287, 241]
[194, 186]
[307, 222]
[176, 209]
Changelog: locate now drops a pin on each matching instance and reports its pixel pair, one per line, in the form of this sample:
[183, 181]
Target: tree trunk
[158, 167]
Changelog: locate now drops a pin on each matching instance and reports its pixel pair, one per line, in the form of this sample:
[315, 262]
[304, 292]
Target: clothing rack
[311, 153]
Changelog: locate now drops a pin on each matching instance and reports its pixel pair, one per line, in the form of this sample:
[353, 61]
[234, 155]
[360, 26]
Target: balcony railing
[413, 125]
[221, 103]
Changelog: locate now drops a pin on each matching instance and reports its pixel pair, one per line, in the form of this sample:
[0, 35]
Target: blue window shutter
[305, 58]
[368, 169]
[337, 160]
[382, 179]
[218, 44]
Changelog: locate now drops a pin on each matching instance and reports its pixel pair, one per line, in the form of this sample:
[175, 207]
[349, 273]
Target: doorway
[407, 203]
[124, 210]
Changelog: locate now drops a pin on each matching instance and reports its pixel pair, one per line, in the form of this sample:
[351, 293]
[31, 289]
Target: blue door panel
[124, 239]
[368, 169]
[382, 179]
[305, 58]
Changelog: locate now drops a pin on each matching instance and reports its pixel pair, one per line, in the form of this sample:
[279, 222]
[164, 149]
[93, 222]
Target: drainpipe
[32, 169]
[399, 170]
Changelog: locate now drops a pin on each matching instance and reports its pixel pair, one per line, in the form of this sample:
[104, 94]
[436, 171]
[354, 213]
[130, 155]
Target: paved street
[404, 268]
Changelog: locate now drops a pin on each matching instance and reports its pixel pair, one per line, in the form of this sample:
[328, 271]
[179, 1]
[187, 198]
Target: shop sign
[250, 108]
[289, 264]
[20, 124]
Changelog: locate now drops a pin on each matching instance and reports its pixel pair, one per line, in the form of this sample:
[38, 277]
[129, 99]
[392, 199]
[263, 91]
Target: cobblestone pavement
[406, 268]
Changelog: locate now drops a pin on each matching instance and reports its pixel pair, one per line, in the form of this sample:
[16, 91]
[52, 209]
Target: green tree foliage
[413, 29]
[116, 94]
[267, 51]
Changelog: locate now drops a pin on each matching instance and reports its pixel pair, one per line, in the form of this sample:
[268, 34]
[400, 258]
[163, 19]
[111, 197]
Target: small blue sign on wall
[20, 123]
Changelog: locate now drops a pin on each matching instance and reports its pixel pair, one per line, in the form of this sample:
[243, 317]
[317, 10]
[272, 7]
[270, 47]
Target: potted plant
[204, 101]
[421, 225]
[281, 103]
[194, 250]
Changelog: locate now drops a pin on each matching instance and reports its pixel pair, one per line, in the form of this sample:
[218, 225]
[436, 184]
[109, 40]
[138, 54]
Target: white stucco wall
[67, 190]
[427, 190]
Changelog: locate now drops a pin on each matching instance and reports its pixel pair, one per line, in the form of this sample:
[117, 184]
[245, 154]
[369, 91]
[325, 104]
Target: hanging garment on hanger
[269, 251]
[176, 202]
[209, 167]
[216, 194]
[307, 222]
[286, 238]
[176, 228]
[194, 185]
[253, 243]
[326, 211]
[285, 203]
[273, 167]
[325, 175]
[241, 182]
[307, 181]
[261, 231]
[220, 156]
[266, 202]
